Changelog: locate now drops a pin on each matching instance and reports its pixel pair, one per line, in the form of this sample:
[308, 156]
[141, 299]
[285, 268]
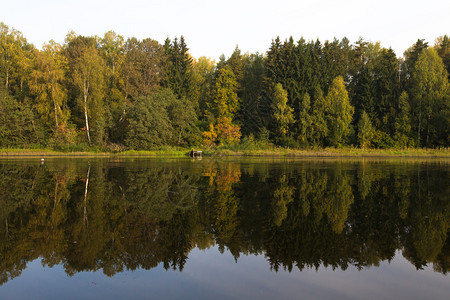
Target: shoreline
[282, 153]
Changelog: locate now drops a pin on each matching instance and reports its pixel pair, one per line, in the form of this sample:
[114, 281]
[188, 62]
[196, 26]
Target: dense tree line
[115, 216]
[111, 93]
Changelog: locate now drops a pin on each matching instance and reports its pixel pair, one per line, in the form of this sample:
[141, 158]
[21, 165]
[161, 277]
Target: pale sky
[212, 27]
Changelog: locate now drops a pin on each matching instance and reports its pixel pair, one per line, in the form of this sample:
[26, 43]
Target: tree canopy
[86, 93]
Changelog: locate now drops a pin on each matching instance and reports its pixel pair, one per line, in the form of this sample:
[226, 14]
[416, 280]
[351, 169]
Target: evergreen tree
[443, 48]
[255, 107]
[273, 63]
[178, 67]
[387, 89]
[402, 123]
[182, 117]
[411, 56]
[319, 128]
[305, 120]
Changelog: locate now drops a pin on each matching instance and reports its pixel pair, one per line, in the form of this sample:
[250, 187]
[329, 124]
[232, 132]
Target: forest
[112, 94]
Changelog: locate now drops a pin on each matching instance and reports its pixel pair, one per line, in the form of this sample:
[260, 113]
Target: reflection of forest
[127, 215]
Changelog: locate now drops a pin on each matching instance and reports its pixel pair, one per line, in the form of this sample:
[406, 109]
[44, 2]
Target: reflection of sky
[208, 274]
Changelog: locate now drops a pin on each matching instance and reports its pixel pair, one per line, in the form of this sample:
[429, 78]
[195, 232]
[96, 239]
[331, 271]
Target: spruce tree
[402, 123]
[304, 120]
[319, 128]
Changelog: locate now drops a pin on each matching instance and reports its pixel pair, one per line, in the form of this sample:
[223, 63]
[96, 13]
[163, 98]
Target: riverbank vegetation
[111, 94]
[240, 151]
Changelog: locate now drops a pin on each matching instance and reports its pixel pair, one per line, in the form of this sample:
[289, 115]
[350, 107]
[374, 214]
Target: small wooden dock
[195, 153]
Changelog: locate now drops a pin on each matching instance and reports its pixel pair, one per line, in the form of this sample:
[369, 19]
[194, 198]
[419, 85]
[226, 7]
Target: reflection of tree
[115, 216]
[282, 196]
[337, 200]
[428, 222]
[183, 193]
[442, 263]
[225, 202]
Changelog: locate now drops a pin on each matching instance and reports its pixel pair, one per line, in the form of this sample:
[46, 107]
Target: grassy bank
[172, 152]
[334, 152]
[221, 152]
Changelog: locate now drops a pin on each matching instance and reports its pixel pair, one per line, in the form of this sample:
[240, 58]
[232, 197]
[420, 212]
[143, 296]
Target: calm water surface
[243, 229]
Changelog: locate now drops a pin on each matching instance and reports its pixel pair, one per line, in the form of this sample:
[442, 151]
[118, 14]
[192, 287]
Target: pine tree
[304, 120]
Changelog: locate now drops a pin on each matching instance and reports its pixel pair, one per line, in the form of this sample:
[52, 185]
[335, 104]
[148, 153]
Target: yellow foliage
[227, 132]
[209, 137]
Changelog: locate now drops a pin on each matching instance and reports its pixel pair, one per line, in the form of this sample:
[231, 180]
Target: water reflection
[116, 215]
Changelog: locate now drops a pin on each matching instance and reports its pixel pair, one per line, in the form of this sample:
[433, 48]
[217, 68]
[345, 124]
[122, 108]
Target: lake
[114, 228]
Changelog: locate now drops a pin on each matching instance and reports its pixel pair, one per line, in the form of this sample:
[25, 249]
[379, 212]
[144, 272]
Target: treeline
[123, 216]
[111, 93]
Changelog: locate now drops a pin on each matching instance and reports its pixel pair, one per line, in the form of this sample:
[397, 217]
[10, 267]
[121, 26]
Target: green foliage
[282, 112]
[319, 130]
[202, 83]
[81, 92]
[17, 127]
[182, 117]
[148, 123]
[179, 67]
[226, 101]
[402, 123]
[48, 87]
[365, 131]
[443, 49]
[255, 105]
[339, 112]
[305, 121]
[430, 94]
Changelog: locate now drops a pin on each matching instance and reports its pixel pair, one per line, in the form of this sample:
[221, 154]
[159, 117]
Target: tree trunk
[86, 90]
[54, 105]
[418, 130]
[122, 117]
[179, 136]
[35, 132]
[85, 216]
[419, 122]
[428, 129]
[7, 80]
